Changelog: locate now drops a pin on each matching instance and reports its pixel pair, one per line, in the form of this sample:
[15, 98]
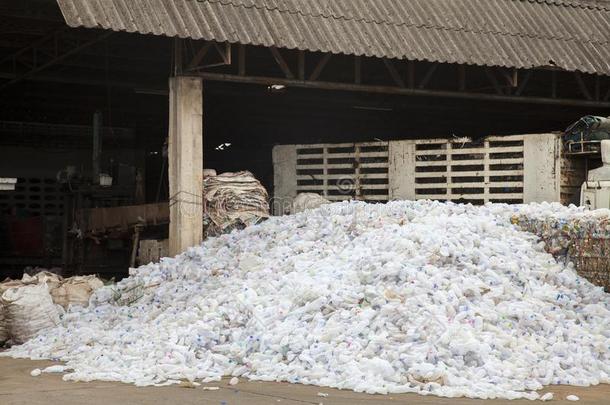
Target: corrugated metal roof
[570, 34]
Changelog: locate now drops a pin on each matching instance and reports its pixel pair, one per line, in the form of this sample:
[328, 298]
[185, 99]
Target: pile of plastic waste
[425, 297]
[233, 201]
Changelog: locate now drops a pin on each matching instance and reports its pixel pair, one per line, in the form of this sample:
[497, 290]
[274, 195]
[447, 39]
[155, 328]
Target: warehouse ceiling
[43, 79]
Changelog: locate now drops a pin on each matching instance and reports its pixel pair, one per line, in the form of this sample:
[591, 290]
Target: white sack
[75, 291]
[307, 201]
[4, 326]
[29, 309]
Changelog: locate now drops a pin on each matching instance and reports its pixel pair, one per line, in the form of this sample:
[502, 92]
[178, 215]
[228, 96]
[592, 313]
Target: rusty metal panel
[570, 34]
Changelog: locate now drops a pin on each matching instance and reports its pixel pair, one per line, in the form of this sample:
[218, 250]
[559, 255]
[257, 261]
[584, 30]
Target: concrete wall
[541, 171]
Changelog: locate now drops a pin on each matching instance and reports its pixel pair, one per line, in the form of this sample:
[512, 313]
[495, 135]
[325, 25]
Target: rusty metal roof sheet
[570, 34]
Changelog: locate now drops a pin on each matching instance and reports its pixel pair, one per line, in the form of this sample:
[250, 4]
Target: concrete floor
[17, 387]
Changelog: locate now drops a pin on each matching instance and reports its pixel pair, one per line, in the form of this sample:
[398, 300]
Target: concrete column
[541, 168]
[401, 172]
[285, 178]
[185, 156]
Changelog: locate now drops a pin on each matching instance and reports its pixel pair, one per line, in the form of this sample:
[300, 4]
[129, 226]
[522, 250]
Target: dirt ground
[17, 387]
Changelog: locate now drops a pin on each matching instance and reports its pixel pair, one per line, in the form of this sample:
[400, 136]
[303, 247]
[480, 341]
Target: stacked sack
[4, 326]
[233, 201]
[28, 309]
[37, 302]
[307, 201]
[75, 291]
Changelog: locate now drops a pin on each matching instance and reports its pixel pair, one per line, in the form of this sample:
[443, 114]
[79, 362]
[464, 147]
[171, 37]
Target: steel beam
[58, 57]
[322, 85]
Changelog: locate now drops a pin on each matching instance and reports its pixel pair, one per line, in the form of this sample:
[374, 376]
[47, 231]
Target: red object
[26, 236]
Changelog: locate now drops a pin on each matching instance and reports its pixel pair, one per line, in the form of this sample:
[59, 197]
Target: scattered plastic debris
[322, 394]
[425, 297]
[547, 397]
[36, 372]
[55, 369]
[572, 398]
[211, 388]
[234, 381]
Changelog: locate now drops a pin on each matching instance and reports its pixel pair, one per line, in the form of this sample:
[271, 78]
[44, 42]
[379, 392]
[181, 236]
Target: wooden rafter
[241, 60]
[428, 76]
[393, 72]
[461, 77]
[358, 69]
[320, 66]
[56, 58]
[279, 59]
[411, 74]
[225, 56]
[582, 86]
[198, 58]
[523, 83]
[301, 61]
[493, 80]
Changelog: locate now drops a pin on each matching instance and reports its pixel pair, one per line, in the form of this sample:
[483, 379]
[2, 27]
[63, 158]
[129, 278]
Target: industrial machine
[585, 135]
[595, 192]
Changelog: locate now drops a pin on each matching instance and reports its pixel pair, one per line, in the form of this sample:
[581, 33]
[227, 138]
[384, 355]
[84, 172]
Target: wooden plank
[345, 155]
[507, 138]
[479, 196]
[475, 173]
[506, 161]
[363, 176]
[339, 145]
[301, 166]
[427, 175]
[470, 151]
[511, 184]
[419, 163]
[378, 165]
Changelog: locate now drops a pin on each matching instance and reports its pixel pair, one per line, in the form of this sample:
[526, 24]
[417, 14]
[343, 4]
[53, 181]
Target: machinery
[586, 134]
[595, 192]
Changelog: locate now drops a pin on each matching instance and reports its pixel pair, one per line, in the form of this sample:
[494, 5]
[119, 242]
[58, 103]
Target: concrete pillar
[542, 168]
[401, 172]
[185, 156]
[285, 178]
